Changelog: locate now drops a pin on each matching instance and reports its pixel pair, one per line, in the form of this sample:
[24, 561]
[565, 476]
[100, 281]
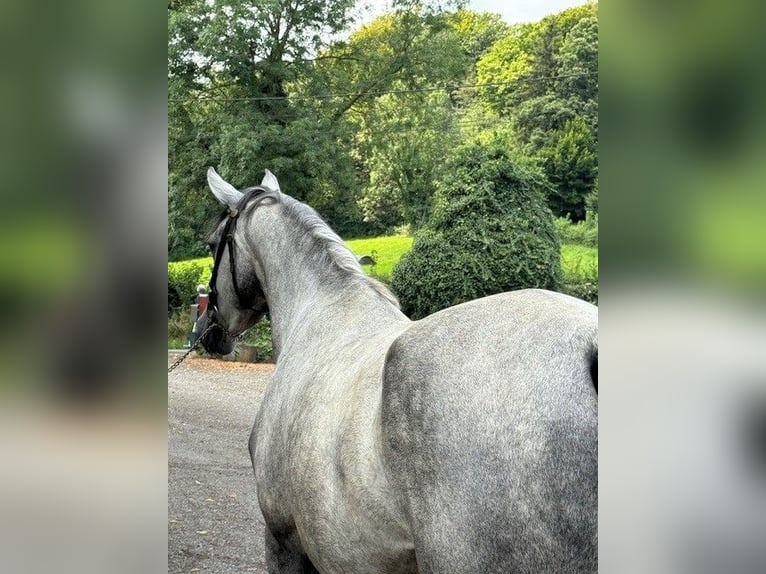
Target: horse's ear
[270, 181]
[224, 192]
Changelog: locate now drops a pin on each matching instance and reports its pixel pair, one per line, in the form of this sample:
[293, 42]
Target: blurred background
[682, 414]
[83, 245]
[82, 286]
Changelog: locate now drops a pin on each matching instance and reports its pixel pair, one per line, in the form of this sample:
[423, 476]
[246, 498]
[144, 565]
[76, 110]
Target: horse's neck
[307, 295]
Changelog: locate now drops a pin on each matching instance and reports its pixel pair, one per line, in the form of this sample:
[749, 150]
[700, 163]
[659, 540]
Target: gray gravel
[214, 523]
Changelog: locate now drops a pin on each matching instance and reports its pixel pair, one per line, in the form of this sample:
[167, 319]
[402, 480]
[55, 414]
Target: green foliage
[579, 263]
[477, 31]
[248, 86]
[402, 168]
[179, 328]
[230, 64]
[579, 266]
[259, 342]
[400, 138]
[544, 76]
[577, 61]
[490, 232]
[184, 276]
[360, 128]
[503, 70]
[583, 233]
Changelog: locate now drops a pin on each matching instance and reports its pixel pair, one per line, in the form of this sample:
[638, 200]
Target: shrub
[490, 231]
[259, 343]
[583, 289]
[179, 328]
[183, 278]
[174, 299]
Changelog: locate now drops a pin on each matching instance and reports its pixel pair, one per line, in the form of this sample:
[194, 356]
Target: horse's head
[236, 299]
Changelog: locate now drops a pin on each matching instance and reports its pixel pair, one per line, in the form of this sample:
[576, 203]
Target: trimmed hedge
[491, 231]
[183, 278]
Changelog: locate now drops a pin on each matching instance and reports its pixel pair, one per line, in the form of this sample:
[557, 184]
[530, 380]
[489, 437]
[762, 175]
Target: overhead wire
[450, 89]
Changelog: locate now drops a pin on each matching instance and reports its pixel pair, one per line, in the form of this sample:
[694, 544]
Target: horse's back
[490, 426]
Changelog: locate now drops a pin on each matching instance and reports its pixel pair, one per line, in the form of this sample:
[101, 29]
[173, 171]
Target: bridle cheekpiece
[227, 241]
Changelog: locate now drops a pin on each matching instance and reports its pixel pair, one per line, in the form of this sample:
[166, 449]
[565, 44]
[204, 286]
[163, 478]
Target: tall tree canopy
[358, 120]
[230, 63]
[544, 76]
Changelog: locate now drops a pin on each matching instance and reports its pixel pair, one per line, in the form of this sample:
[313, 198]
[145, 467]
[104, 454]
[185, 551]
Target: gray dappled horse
[465, 442]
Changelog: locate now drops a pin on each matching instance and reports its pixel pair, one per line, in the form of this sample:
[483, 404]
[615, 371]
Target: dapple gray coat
[465, 442]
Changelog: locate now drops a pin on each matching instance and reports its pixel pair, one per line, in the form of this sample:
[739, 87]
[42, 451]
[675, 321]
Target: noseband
[227, 240]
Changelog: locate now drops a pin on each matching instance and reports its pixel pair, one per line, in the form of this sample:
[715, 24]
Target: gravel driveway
[214, 523]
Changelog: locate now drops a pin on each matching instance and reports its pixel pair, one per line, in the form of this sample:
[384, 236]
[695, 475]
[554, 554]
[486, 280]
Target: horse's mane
[324, 243]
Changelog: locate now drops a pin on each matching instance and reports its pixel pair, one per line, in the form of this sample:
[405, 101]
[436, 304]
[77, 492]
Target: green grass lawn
[386, 251]
[577, 261]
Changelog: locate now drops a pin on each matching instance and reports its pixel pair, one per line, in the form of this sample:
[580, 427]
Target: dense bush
[183, 278]
[490, 231]
[584, 289]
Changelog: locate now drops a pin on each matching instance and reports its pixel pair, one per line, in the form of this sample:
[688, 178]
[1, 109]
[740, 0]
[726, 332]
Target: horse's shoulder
[413, 368]
[405, 354]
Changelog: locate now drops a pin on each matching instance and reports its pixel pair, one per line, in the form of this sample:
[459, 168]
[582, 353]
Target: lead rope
[194, 346]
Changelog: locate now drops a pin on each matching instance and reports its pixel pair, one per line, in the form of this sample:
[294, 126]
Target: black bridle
[227, 241]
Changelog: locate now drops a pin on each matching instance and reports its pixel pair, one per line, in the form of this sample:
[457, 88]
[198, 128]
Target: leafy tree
[259, 84]
[405, 49]
[577, 62]
[230, 64]
[404, 141]
[360, 128]
[571, 166]
[403, 126]
[490, 232]
[504, 70]
[543, 76]
[477, 31]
